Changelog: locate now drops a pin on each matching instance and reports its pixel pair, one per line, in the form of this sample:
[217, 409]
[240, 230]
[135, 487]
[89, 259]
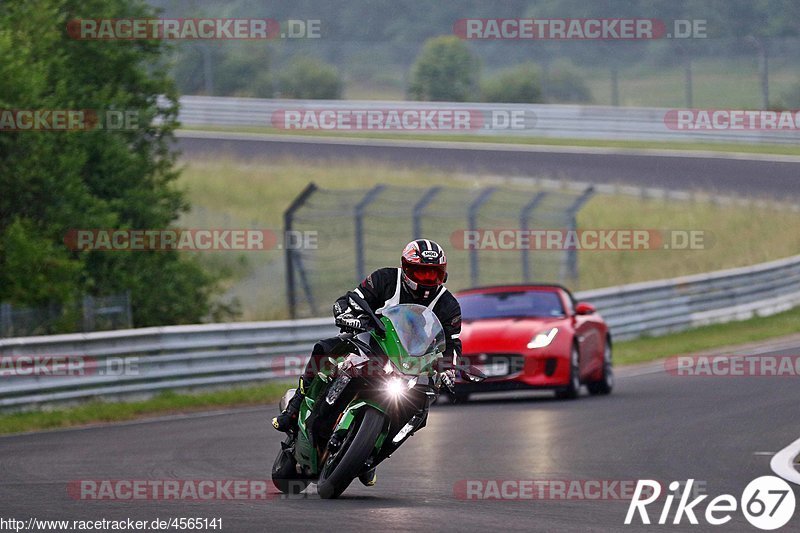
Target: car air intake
[550, 366]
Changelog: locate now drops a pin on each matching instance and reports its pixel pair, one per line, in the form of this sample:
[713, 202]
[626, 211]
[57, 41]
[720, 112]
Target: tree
[445, 70]
[310, 79]
[235, 69]
[516, 85]
[54, 181]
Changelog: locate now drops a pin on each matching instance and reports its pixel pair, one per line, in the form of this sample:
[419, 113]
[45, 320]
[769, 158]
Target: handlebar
[358, 300]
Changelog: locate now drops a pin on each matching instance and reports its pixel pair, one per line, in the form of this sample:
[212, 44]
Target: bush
[517, 85]
[563, 83]
[310, 79]
[445, 70]
[238, 69]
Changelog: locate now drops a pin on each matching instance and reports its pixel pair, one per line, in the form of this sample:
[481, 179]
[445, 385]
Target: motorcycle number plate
[336, 389]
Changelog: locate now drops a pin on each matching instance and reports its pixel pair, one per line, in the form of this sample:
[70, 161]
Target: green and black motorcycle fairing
[370, 397]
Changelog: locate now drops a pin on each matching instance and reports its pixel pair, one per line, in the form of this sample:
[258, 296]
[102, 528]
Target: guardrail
[213, 355]
[540, 120]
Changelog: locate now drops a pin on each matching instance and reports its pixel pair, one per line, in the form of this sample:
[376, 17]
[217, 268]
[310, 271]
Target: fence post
[306, 286]
[6, 325]
[288, 218]
[128, 311]
[419, 208]
[472, 223]
[358, 211]
[88, 313]
[524, 216]
[572, 254]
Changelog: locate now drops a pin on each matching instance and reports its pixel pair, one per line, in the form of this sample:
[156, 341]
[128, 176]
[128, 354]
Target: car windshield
[511, 304]
[419, 330]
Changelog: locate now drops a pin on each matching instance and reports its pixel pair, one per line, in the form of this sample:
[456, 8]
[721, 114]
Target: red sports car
[534, 337]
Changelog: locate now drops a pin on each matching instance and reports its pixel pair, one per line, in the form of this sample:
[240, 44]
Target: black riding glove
[351, 321]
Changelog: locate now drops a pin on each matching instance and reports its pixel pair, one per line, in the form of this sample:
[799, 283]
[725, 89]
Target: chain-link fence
[360, 230]
[93, 313]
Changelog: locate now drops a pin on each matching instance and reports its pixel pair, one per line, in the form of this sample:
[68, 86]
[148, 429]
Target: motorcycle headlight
[543, 338]
[397, 387]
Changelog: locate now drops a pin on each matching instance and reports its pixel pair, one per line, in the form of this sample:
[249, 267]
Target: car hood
[503, 333]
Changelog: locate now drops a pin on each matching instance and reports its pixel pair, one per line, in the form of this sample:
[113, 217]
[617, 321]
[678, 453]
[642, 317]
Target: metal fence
[95, 313]
[214, 355]
[540, 120]
[360, 230]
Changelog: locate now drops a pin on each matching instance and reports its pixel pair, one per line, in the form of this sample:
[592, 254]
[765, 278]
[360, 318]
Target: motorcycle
[368, 399]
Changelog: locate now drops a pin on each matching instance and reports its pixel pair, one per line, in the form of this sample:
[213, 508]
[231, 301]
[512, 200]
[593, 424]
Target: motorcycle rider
[419, 280]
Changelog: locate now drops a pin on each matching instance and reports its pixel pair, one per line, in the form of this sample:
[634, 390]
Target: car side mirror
[584, 308]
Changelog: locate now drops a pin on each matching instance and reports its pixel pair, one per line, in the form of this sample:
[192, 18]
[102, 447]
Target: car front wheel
[606, 382]
[572, 390]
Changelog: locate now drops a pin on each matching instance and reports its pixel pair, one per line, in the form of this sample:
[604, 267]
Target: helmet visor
[426, 275]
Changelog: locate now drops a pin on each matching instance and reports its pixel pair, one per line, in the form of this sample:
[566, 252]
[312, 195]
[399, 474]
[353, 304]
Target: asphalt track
[760, 176]
[720, 431]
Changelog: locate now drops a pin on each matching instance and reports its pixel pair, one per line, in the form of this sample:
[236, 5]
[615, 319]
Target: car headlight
[543, 338]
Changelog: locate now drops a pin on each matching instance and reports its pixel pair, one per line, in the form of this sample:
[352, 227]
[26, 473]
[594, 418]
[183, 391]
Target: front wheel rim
[609, 371]
[332, 462]
[575, 370]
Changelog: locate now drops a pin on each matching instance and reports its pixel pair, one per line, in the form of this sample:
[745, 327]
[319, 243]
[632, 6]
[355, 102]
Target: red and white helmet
[424, 267]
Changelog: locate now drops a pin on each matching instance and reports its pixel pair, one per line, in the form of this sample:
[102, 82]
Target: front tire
[337, 474]
[573, 389]
[606, 383]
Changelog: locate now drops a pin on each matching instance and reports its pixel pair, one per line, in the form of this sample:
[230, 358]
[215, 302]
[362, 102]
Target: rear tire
[606, 383]
[573, 389]
[332, 484]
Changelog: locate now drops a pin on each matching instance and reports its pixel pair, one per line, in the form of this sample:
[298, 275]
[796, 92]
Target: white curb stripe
[783, 462]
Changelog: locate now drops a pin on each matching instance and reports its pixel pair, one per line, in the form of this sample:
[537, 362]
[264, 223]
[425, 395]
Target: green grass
[97, 411]
[739, 236]
[715, 84]
[627, 352]
[707, 337]
[231, 193]
[775, 149]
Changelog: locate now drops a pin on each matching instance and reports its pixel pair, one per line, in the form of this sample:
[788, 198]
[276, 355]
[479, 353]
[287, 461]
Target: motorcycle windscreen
[417, 327]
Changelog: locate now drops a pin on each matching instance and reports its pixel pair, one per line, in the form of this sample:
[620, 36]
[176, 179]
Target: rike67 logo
[767, 502]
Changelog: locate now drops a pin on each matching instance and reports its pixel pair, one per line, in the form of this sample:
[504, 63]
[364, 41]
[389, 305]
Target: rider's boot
[369, 477]
[287, 420]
